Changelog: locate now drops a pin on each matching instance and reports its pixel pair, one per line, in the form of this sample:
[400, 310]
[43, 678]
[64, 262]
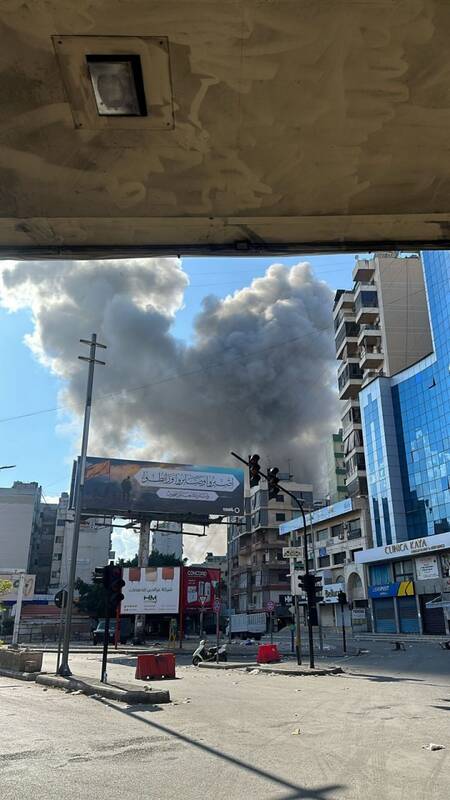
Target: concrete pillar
[143, 553]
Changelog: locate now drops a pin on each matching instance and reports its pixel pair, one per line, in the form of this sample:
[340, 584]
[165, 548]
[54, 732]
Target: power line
[178, 376]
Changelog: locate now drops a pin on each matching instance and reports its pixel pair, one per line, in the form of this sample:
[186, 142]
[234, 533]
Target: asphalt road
[230, 735]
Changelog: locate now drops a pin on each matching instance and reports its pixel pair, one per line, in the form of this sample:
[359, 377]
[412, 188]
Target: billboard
[172, 492]
[151, 590]
[14, 578]
[201, 586]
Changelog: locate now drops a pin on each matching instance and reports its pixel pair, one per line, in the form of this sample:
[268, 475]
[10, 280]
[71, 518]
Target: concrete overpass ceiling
[271, 126]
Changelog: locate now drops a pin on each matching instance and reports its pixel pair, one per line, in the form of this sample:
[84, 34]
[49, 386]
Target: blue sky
[40, 451]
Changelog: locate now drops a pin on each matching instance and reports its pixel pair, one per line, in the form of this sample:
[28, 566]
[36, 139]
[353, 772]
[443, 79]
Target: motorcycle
[204, 653]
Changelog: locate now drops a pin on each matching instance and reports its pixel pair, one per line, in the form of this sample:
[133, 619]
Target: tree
[5, 587]
[157, 559]
[128, 562]
[92, 598]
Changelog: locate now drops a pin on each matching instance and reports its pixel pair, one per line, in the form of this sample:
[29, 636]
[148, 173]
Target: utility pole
[143, 553]
[64, 668]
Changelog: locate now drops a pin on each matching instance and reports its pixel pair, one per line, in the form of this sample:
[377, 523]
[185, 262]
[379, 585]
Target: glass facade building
[406, 424]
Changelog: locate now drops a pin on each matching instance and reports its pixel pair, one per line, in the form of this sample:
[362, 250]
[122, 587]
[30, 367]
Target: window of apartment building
[60, 523]
[280, 516]
[279, 555]
[403, 570]
[58, 556]
[322, 536]
[339, 558]
[337, 531]
[55, 574]
[354, 529]
[324, 561]
[280, 498]
[357, 550]
[379, 574]
[59, 539]
[310, 563]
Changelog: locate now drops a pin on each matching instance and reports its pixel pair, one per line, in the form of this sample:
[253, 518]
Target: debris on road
[296, 732]
[433, 746]
[254, 672]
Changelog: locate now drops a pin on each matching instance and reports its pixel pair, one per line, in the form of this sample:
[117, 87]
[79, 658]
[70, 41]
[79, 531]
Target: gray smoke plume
[258, 377]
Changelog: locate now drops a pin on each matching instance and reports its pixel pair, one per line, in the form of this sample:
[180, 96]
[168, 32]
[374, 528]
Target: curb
[226, 665]
[272, 670]
[299, 671]
[20, 676]
[122, 694]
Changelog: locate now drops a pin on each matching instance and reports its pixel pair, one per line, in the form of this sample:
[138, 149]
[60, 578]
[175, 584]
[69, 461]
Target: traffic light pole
[305, 550]
[104, 675]
[64, 668]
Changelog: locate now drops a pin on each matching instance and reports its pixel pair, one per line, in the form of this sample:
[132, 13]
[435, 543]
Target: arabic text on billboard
[200, 587]
[151, 590]
[172, 491]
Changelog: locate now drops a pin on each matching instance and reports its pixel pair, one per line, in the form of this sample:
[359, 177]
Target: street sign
[61, 598]
[292, 552]
[270, 606]
[216, 605]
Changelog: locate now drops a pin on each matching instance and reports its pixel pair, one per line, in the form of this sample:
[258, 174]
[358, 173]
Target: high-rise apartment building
[93, 548]
[259, 572]
[406, 425]
[167, 539]
[336, 469]
[42, 543]
[19, 524]
[381, 326]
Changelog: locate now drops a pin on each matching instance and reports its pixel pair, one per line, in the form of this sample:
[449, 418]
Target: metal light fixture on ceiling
[118, 85]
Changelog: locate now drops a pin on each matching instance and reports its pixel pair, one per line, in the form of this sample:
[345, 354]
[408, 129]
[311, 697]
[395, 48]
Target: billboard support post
[64, 668]
[181, 606]
[143, 554]
[15, 636]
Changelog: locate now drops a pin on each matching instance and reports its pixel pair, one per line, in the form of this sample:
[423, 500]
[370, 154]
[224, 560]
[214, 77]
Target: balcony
[346, 336]
[343, 300]
[350, 381]
[371, 375]
[371, 357]
[366, 304]
[363, 271]
[369, 334]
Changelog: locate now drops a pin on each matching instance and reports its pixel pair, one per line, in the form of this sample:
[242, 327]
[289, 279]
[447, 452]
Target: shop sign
[322, 551]
[358, 614]
[330, 592]
[427, 544]
[397, 589]
[427, 567]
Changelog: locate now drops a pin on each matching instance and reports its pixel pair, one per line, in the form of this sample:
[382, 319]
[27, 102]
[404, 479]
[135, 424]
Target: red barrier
[150, 666]
[268, 654]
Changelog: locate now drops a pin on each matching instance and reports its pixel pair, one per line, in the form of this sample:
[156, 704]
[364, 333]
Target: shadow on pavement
[295, 792]
[383, 678]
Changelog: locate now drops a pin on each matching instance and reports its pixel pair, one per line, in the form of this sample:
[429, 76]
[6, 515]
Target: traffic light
[310, 584]
[273, 482]
[342, 599]
[111, 579]
[114, 587]
[254, 470]
[101, 576]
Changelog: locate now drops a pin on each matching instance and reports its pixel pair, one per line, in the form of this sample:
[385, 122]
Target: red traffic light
[254, 470]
